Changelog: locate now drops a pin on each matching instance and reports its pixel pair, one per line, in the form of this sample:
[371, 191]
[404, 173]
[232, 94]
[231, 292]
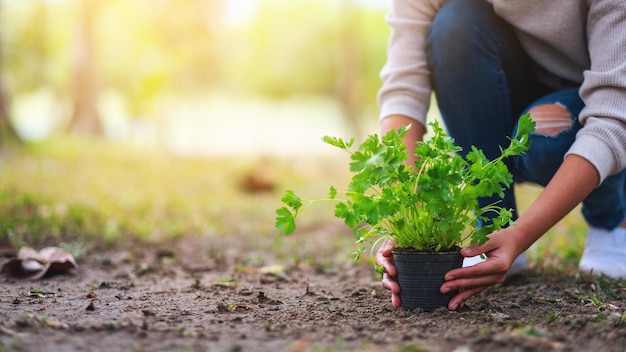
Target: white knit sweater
[578, 40]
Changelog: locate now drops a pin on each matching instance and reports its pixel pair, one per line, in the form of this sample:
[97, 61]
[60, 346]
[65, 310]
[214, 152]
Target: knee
[460, 29]
[455, 21]
[554, 134]
[550, 119]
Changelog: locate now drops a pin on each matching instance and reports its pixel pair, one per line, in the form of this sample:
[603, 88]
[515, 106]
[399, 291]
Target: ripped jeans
[484, 80]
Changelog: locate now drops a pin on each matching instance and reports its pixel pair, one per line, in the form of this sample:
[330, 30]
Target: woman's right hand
[385, 259]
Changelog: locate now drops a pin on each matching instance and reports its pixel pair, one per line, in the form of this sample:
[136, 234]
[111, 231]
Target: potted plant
[428, 209]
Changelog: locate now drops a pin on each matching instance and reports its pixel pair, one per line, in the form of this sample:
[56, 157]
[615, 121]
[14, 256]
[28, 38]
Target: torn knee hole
[550, 119]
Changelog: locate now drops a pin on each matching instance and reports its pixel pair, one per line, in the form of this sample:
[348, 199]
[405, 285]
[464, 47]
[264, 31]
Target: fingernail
[466, 251]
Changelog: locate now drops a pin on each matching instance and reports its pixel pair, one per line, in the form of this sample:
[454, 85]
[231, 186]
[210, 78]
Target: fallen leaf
[272, 269]
[7, 332]
[56, 324]
[33, 265]
[259, 179]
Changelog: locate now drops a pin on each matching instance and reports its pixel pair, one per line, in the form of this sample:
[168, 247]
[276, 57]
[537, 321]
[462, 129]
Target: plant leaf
[525, 126]
[285, 220]
[338, 142]
[292, 200]
[332, 193]
[344, 212]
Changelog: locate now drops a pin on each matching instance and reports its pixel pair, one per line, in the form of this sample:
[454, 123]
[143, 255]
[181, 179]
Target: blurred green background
[137, 120]
[192, 76]
[134, 120]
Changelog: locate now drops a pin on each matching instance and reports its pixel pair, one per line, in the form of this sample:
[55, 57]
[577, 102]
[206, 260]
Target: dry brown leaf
[259, 179]
[33, 265]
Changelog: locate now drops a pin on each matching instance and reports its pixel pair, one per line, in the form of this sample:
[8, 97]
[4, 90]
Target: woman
[488, 62]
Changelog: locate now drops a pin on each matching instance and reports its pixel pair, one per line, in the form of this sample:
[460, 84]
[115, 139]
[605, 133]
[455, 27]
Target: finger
[389, 267]
[460, 299]
[386, 248]
[391, 284]
[489, 272]
[472, 283]
[474, 249]
[386, 261]
[493, 266]
[471, 251]
[395, 300]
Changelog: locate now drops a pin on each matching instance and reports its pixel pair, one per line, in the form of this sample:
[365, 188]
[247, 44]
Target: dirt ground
[177, 297]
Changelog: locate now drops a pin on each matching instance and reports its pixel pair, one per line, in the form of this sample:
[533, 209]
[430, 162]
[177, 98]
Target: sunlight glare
[238, 12]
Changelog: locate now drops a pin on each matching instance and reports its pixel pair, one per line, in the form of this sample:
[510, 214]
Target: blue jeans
[484, 81]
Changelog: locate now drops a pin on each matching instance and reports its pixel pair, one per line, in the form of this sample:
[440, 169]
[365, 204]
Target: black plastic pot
[420, 276]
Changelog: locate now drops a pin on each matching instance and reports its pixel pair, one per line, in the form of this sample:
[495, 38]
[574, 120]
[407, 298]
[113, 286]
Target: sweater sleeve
[405, 77]
[602, 140]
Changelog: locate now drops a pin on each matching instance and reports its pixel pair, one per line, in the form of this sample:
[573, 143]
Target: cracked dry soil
[172, 298]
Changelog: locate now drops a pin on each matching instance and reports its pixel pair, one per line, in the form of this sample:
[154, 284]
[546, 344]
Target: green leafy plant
[431, 205]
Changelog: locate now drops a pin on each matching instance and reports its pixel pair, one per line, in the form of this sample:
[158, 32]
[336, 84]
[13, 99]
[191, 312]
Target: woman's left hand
[501, 250]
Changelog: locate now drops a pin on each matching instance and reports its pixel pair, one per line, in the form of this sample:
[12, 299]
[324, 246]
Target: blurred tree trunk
[85, 119]
[348, 93]
[7, 131]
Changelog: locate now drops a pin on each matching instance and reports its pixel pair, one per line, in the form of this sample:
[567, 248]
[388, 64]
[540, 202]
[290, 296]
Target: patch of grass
[601, 290]
[31, 218]
[84, 195]
[534, 331]
[89, 194]
[550, 317]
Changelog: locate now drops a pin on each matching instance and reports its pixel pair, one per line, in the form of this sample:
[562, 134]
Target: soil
[174, 297]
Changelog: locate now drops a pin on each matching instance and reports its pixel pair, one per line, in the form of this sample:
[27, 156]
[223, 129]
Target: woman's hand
[574, 180]
[385, 259]
[501, 250]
